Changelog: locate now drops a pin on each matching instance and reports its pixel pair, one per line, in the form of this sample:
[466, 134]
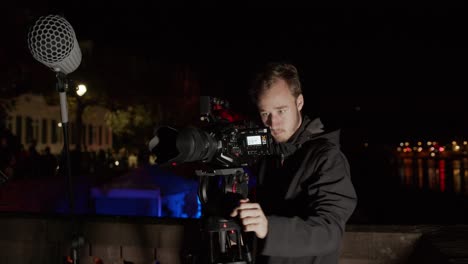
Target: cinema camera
[227, 145]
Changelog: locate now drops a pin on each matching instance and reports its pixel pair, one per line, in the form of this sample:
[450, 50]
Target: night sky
[383, 76]
[393, 73]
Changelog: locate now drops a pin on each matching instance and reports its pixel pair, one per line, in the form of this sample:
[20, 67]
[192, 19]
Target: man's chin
[279, 139]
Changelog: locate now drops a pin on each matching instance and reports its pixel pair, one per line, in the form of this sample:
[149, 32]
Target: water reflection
[435, 174]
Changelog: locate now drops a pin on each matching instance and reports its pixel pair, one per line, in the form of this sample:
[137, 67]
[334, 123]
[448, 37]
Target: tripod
[219, 192]
[225, 242]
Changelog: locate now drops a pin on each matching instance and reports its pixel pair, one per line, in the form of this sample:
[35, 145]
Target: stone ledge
[42, 238]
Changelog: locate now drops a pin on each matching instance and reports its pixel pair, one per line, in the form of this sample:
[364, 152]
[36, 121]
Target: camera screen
[254, 140]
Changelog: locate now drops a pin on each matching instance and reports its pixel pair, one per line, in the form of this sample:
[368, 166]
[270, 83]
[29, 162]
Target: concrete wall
[34, 239]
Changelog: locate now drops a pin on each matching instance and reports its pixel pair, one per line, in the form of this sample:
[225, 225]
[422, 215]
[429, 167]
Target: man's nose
[267, 121]
[273, 121]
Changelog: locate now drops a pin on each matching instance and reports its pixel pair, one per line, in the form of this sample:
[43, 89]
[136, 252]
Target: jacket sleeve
[331, 199]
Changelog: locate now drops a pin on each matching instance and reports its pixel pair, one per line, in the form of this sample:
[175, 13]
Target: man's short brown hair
[271, 74]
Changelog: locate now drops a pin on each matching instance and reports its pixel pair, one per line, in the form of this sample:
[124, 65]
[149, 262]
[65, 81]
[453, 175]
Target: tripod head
[220, 190]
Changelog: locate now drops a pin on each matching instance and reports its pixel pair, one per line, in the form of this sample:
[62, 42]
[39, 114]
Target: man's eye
[264, 114]
[282, 111]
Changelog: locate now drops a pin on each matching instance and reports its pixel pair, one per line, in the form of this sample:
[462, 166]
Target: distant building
[32, 119]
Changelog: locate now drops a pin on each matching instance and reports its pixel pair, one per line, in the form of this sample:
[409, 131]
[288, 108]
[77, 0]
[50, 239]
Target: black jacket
[307, 196]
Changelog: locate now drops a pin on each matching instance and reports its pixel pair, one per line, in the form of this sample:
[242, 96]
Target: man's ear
[300, 102]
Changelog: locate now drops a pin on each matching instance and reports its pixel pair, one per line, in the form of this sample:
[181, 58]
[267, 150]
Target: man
[305, 195]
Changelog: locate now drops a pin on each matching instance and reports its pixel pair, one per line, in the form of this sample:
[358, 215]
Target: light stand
[3, 177]
[62, 87]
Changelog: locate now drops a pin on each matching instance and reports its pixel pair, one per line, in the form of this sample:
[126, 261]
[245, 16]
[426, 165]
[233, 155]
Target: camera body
[240, 145]
[223, 146]
[225, 141]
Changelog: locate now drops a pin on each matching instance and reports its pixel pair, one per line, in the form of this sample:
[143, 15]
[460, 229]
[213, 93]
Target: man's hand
[252, 217]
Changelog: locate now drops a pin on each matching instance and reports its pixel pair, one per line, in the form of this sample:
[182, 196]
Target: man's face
[280, 111]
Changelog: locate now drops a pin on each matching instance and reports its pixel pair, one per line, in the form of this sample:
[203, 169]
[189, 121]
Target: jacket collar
[308, 129]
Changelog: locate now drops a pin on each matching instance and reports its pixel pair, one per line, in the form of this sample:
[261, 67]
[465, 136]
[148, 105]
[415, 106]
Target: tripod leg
[222, 241]
[211, 248]
[239, 245]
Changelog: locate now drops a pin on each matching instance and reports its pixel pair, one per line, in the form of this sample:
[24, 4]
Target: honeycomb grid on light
[45, 38]
[52, 42]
